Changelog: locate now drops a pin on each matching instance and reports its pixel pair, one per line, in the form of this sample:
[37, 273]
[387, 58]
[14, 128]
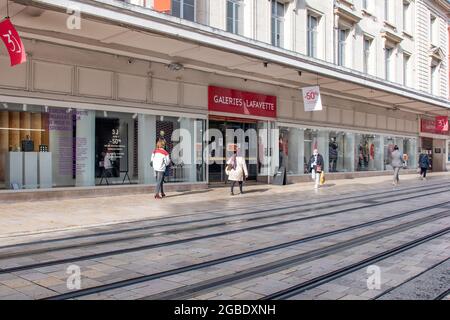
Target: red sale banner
[241, 102]
[442, 124]
[439, 125]
[12, 42]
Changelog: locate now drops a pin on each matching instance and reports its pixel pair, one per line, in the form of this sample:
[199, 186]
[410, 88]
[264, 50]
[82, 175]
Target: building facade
[105, 79]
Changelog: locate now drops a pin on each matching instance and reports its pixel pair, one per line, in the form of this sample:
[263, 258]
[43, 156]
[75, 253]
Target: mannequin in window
[333, 154]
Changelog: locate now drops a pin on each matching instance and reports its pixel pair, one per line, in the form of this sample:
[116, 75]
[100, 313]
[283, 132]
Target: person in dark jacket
[424, 164]
[315, 166]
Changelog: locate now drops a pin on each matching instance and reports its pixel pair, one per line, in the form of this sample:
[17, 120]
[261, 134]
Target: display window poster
[111, 144]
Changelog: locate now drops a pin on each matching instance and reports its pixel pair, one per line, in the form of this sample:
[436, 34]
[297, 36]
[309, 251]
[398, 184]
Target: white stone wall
[415, 41]
[61, 73]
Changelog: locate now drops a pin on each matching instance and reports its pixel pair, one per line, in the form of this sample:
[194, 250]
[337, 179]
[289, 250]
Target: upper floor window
[388, 63]
[406, 73]
[234, 16]
[389, 14]
[434, 78]
[386, 10]
[367, 56]
[277, 23]
[406, 16]
[433, 23]
[184, 9]
[313, 22]
[364, 4]
[342, 38]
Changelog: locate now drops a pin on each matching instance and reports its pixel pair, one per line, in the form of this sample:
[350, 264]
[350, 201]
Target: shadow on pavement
[189, 193]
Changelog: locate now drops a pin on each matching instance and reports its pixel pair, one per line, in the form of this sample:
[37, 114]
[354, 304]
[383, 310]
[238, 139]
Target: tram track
[174, 242]
[313, 283]
[297, 206]
[15, 254]
[434, 266]
[266, 268]
[442, 295]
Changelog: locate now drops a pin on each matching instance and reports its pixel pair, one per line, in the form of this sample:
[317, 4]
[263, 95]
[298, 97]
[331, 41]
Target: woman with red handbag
[315, 166]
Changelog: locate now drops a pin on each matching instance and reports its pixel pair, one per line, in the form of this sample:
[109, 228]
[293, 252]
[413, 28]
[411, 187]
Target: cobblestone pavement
[426, 285]
[243, 247]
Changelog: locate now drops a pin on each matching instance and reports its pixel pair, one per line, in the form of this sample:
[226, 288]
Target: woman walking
[315, 166]
[236, 171]
[160, 161]
[424, 164]
[396, 163]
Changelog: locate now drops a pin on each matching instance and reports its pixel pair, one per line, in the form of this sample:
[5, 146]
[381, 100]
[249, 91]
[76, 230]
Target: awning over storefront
[127, 30]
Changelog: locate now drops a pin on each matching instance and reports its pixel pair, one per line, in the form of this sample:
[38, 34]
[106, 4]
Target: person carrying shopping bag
[236, 170]
[315, 166]
[160, 160]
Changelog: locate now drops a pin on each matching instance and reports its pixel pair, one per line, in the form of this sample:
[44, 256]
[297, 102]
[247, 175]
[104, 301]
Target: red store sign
[241, 102]
[439, 125]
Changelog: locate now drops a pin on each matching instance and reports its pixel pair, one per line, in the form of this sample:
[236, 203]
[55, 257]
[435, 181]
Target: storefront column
[4, 142]
[85, 149]
[379, 153]
[275, 146]
[323, 148]
[296, 150]
[349, 152]
[413, 156]
[188, 134]
[146, 145]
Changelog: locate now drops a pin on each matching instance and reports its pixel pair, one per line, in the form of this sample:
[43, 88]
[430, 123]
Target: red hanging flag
[162, 6]
[12, 42]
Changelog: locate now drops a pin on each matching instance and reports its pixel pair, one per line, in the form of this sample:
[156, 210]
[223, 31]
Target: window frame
[277, 22]
[432, 35]
[406, 16]
[434, 77]
[406, 69]
[182, 9]
[237, 16]
[312, 35]
[388, 52]
[367, 54]
[341, 46]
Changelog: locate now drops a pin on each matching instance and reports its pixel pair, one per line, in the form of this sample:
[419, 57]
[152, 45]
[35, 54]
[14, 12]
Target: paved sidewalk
[43, 216]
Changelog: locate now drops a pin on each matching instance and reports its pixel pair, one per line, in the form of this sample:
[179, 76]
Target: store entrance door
[232, 132]
[427, 146]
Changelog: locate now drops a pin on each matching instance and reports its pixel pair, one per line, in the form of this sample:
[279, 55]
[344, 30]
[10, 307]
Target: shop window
[340, 151]
[45, 147]
[316, 139]
[406, 146]
[448, 151]
[290, 148]
[368, 152]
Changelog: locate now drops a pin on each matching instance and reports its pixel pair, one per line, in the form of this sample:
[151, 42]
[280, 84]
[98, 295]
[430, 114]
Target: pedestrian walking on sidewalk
[236, 170]
[315, 166]
[424, 164]
[396, 163]
[160, 160]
